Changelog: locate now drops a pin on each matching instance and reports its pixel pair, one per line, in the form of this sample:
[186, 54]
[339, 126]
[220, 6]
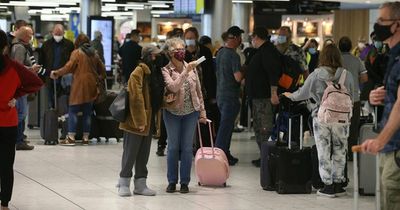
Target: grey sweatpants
[331, 142]
[136, 152]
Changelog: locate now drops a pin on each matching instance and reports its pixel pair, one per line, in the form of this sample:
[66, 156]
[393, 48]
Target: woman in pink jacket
[184, 108]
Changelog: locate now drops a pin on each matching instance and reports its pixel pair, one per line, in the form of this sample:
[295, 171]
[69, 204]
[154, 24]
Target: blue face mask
[378, 44]
[312, 51]
[190, 42]
[281, 39]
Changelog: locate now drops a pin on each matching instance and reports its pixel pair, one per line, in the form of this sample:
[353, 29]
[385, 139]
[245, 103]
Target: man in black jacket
[130, 53]
[261, 84]
[54, 54]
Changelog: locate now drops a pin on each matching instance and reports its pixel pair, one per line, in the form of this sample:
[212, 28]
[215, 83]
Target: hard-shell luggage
[367, 163]
[49, 123]
[294, 167]
[36, 108]
[211, 163]
[356, 149]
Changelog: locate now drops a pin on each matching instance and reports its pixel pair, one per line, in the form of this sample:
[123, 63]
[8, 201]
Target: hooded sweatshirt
[315, 85]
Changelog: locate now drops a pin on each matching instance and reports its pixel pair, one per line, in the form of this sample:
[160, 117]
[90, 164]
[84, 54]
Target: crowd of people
[169, 93]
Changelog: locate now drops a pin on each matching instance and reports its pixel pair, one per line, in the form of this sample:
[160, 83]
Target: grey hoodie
[315, 85]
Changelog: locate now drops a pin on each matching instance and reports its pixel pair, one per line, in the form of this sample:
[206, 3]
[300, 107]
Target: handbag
[119, 108]
[101, 87]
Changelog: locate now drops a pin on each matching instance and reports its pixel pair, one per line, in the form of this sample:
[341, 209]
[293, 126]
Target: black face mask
[382, 32]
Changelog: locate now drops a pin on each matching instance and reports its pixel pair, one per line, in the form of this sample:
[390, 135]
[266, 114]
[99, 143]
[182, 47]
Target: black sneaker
[339, 190]
[23, 146]
[160, 151]
[184, 188]
[327, 191]
[256, 163]
[171, 188]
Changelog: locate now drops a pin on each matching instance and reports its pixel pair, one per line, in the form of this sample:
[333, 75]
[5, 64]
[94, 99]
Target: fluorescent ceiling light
[159, 6]
[162, 11]
[155, 15]
[117, 13]
[54, 17]
[108, 0]
[161, 2]
[23, 3]
[242, 1]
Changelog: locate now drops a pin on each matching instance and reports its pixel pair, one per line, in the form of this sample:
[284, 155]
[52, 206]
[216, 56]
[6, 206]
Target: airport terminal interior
[57, 177]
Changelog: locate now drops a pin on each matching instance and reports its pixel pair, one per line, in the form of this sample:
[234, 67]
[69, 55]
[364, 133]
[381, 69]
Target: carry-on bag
[211, 163]
[357, 149]
[107, 126]
[294, 166]
[49, 123]
[268, 165]
[367, 162]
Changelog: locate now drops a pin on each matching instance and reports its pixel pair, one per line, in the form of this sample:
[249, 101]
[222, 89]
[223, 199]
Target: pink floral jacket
[174, 83]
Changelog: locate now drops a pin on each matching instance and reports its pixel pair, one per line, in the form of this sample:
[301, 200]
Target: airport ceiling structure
[122, 8]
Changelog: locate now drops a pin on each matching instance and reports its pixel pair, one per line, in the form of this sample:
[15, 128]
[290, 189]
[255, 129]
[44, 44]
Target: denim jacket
[174, 83]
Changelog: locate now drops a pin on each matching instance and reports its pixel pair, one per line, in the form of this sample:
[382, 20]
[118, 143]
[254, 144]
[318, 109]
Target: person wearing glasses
[387, 30]
[184, 106]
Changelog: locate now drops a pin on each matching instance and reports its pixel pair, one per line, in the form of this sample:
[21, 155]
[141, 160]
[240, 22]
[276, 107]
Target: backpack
[291, 72]
[336, 104]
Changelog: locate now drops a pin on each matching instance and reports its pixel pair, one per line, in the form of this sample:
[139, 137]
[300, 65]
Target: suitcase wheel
[225, 184]
[98, 139]
[118, 140]
[199, 183]
[107, 140]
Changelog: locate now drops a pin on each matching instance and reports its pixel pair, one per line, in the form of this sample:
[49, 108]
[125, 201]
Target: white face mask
[361, 45]
[58, 38]
[190, 42]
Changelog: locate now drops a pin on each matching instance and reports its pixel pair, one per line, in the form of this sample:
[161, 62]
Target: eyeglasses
[381, 20]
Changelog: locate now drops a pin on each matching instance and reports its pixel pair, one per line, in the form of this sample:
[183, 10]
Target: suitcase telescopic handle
[290, 132]
[201, 139]
[357, 149]
[55, 94]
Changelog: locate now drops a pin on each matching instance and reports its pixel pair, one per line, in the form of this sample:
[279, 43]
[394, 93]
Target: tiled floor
[84, 177]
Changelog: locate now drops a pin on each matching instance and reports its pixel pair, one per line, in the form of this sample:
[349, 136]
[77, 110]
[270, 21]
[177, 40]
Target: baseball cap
[150, 49]
[235, 31]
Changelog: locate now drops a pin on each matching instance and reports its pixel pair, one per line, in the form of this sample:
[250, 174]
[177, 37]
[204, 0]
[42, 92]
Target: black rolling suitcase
[49, 123]
[294, 166]
[268, 165]
[107, 126]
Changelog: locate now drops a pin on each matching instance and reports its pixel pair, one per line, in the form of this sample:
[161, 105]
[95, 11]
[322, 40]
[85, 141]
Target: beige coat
[139, 102]
[84, 86]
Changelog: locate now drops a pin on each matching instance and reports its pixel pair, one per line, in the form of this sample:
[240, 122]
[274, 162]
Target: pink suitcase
[211, 163]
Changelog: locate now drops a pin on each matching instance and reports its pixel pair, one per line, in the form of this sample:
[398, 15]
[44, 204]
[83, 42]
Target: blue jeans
[73, 110]
[180, 131]
[22, 109]
[229, 110]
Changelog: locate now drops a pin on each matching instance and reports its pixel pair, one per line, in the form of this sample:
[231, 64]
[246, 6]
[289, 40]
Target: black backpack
[291, 71]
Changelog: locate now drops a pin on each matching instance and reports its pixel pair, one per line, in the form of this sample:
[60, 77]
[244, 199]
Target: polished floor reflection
[84, 177]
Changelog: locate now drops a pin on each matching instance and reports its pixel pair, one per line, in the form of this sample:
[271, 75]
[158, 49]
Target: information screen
[189, 6]
[106, 27]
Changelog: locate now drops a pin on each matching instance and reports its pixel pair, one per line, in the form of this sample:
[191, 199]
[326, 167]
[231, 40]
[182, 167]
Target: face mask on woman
[378, 45]
[281, 39]
[179, 55]
[312, 50]
[190, 42]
